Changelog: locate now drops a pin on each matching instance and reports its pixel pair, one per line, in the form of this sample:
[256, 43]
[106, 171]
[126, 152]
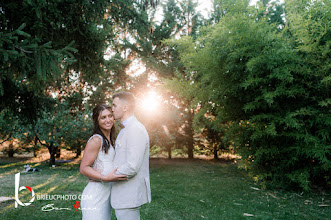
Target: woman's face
[106, 120]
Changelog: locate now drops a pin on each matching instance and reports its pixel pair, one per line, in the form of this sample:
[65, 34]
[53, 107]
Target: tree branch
[40, 140]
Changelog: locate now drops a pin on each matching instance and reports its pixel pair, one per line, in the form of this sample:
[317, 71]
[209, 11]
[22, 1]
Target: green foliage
[256, 80]
[51, 53]
[29, 62]
[183, 88]
[272, 88]
[149, 46]
[76, 130]
[63, 127]
[13, 133]
[223, 7]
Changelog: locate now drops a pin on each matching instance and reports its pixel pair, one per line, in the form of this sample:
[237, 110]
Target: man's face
[118, 108]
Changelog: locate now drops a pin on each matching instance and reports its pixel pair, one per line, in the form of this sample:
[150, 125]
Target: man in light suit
[132, 159]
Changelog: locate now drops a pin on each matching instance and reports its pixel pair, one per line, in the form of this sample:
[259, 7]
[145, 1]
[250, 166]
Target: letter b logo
[18, 188]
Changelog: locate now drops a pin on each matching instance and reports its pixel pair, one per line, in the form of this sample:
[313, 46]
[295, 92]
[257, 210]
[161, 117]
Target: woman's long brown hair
[95, 116]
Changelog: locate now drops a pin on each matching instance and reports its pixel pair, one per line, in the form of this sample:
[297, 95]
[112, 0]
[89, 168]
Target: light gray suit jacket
[132, 159]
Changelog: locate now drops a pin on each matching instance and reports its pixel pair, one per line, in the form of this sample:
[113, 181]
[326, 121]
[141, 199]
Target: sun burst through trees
[151, 101]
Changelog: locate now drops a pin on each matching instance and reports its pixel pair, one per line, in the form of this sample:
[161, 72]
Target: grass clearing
[181, 189]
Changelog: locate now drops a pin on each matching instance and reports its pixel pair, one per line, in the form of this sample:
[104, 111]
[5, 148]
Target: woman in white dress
[97, 165]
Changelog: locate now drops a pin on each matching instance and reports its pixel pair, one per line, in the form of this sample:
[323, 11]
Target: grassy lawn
[181, 189]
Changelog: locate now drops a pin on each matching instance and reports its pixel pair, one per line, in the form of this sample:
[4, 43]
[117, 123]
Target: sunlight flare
[151, 101]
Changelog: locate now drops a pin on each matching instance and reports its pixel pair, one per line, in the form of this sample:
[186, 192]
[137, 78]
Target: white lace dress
[95, 201]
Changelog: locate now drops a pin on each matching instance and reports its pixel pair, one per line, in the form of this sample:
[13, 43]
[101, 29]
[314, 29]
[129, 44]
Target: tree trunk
[190, 142]
[169, 151]
[35, 146]
[78, 151]
[58, 152]
[216, 151]
[52, 152]
[11, 150]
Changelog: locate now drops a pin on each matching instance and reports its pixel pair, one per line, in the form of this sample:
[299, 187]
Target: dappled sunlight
[21, 164]
[48, 184]
[10, 172]
[166, 130]
[74, 177]
[11, 165]
[61, 184]
[199, 93]
[37, 164]
[48, 181]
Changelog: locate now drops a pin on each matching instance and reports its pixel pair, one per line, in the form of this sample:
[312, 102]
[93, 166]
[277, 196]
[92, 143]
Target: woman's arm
[90, 155]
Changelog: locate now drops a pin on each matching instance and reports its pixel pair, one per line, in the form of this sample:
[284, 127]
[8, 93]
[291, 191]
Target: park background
[241, 90]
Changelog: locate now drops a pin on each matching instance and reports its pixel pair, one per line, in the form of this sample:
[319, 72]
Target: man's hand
[112, 177]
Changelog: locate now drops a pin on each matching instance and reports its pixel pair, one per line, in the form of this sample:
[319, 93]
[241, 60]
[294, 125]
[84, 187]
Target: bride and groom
[117, 168]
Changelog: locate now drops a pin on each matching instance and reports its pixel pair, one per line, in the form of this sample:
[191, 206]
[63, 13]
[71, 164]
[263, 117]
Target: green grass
[181, 189]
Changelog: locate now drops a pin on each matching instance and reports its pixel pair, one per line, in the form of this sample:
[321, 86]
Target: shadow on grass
[181, 189]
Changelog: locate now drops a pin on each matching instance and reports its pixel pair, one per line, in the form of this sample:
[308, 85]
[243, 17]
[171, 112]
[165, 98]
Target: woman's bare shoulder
[94, 141]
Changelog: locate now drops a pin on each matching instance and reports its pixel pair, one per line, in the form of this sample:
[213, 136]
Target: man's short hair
[128, 97]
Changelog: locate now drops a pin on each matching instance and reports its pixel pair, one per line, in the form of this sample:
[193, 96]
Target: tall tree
[180, 20]
[223, 7]
[160, 60]
[53, 50]
[272, 88]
